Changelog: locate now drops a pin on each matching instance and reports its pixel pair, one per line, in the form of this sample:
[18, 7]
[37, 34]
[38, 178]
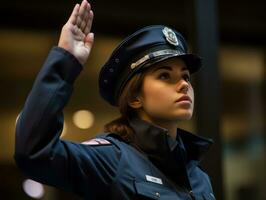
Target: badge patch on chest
[96, 141]
[154, 179]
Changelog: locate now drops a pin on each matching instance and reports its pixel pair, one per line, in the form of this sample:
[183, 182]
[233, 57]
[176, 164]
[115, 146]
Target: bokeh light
[83, 119]
[33, 189]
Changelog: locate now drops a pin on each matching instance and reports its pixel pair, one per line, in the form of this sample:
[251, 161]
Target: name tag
[154, 179]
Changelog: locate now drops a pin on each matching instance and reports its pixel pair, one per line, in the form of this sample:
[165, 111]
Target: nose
[183, 86]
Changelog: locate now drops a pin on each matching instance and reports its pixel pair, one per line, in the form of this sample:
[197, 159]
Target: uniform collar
[155, 140]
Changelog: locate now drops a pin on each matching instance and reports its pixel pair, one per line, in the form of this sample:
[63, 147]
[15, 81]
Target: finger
[73, 17]
[89, 39]
[81, 13]
[89, 23]
[86, 17]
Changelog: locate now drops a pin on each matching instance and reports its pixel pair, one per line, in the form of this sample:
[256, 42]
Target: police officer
[142, 154]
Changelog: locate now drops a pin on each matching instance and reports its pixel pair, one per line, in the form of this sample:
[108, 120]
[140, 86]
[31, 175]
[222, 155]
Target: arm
[38, 150]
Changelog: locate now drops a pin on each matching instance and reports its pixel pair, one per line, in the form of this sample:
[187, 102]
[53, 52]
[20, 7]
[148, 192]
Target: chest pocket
[146, 190]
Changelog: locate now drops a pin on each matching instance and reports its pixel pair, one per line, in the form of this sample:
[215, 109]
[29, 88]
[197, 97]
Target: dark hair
[120, 125]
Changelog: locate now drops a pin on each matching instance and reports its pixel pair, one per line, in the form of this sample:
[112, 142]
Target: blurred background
[230, 90]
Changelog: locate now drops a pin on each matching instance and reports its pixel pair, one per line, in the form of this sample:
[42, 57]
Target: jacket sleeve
[40, 153]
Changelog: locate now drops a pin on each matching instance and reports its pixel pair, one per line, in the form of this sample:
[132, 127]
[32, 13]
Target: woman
[143, 154]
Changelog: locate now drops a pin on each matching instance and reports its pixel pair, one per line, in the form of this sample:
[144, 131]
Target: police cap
[143, 48]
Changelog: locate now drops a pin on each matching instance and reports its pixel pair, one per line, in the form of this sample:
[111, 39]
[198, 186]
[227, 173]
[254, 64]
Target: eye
[186, 77]
[164, 76]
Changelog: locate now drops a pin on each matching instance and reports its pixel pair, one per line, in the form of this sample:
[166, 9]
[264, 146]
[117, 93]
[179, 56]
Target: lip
[184, 98]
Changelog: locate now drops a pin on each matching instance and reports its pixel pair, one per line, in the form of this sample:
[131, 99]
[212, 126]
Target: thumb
[89, 39]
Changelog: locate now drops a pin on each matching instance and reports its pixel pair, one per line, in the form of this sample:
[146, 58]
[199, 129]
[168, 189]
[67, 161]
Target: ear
[135, 103]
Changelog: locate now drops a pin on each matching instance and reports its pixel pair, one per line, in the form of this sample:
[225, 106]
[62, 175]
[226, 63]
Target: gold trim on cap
[154, 55]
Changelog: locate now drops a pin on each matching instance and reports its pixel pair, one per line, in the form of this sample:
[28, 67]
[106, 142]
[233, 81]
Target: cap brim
[193, 62]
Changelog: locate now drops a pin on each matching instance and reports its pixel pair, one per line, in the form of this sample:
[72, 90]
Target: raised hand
[75, 35]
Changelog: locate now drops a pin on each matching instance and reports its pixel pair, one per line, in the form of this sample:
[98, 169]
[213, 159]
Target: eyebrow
[168, 68]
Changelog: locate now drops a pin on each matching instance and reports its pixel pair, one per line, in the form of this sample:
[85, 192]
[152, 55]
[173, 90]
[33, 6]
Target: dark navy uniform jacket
[152, 166]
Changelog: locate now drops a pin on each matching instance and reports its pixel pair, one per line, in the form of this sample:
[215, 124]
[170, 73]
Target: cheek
[191, 95]
[154, 93]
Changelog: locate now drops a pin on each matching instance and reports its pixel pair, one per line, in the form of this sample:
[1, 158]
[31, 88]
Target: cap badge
[170, 36]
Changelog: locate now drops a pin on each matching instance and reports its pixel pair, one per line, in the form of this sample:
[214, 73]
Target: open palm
[75, 35]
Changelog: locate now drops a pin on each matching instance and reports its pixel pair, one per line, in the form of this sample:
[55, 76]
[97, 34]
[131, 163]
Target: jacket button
[157, 194]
